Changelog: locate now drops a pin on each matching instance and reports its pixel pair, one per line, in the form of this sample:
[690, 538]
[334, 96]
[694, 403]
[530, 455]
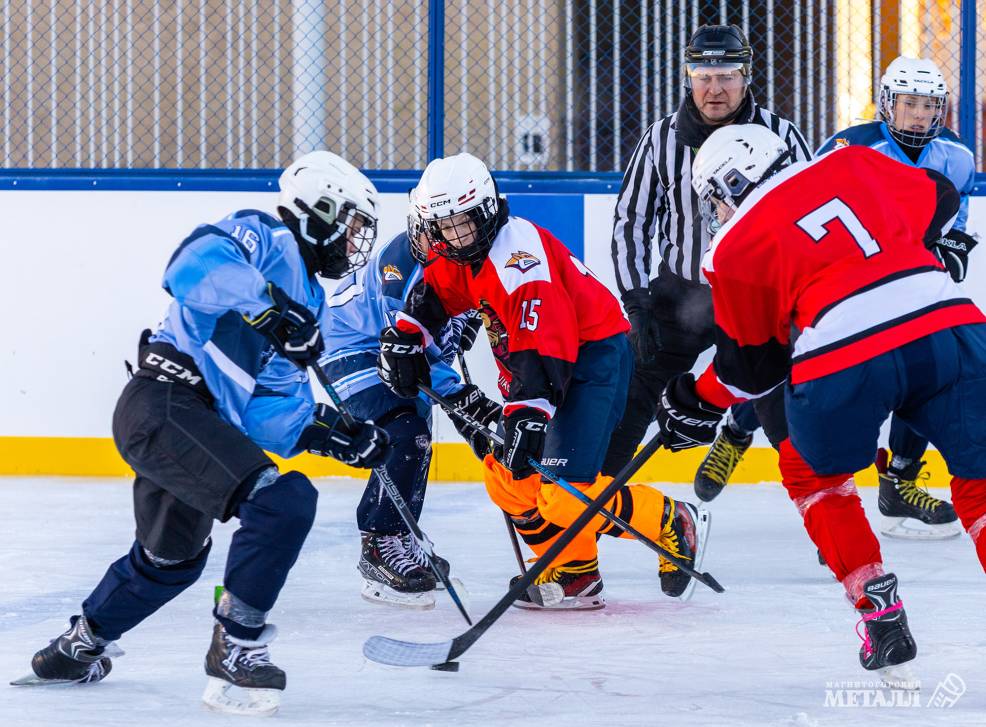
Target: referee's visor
[728, 75]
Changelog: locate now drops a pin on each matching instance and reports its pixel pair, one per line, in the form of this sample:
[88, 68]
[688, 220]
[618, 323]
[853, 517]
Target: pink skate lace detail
[854, 581]
[846, 489]
[977, 528]
[867, 644]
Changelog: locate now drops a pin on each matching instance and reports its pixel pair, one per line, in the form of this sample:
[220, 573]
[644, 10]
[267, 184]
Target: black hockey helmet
[718, 45]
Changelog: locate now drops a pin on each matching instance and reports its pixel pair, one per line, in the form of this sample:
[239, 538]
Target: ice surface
[763, 653]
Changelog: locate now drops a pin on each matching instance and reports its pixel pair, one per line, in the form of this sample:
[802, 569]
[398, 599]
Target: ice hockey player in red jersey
[559, 338]
[825, 280]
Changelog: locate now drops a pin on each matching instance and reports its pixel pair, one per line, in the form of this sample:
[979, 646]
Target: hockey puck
[447, 666]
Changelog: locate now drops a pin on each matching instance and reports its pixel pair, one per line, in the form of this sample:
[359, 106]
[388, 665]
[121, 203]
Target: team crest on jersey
[523, 261]
[841, 142]
[391, 273]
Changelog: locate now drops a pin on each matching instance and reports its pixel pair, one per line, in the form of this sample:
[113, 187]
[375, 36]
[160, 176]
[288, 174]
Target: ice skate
[908, 510]
[887, 644]
[416, 554]
[393, 576]
[685, 530]
[78, 656]
[719, 464]
[242, 679]
[572, 586]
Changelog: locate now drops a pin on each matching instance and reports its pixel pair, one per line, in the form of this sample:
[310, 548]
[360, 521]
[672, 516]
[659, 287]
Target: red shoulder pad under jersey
[836, 248]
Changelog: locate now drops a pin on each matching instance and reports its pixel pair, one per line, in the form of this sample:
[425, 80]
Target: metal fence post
[967, 76]
[436, 79]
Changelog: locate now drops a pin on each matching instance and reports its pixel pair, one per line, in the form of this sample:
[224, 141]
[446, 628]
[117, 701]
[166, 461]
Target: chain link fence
[559, 85]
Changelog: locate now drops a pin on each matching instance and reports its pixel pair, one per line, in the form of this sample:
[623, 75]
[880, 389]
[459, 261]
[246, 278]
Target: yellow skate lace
[669, 540]
[551, 574]
[918, 495]
[722, 459]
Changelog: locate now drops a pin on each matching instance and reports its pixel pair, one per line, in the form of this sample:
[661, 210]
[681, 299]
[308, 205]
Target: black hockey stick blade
[410, 653]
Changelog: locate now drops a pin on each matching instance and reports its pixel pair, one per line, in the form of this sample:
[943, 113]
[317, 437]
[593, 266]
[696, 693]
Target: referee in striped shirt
[671, 311]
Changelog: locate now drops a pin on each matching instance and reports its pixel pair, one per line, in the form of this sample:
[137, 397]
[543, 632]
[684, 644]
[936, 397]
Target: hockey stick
[704, 578]
[409, 653]
[427, 547]
[506, 518]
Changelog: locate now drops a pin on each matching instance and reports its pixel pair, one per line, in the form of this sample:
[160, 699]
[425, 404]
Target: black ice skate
[416, 554]
[685, 530]
[888, 643]
[246, 666]
[720, 463]
[572, 586]
[903, 501]
[76, 657]
[392, 576]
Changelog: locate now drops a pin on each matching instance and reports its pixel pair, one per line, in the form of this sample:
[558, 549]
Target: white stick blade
[384, 650]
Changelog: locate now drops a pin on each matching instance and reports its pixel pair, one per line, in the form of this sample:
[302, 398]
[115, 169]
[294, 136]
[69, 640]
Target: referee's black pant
[683, 310]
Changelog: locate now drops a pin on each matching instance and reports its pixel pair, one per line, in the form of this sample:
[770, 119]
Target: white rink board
[83, 279]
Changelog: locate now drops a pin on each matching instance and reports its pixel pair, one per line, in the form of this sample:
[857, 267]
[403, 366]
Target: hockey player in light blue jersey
[392, 566]
[912, 105]
[223, 379]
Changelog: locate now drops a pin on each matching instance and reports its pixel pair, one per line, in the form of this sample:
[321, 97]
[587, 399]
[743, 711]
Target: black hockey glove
[476, 405]
[644, 334]
[402, 364]
[365, 445]
[953, 250]
[685, 420]
[524, 432]
[291, 327]
[470, 331]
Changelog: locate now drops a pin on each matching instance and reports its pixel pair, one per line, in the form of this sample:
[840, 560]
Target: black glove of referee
[644, 334]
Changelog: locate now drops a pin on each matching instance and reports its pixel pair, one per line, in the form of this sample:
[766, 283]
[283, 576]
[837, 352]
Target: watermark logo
[948, 692]
[875, 694]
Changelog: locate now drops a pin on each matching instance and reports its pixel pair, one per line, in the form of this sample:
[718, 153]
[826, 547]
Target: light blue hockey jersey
[945, 154]
[218, 274]
[365, 303]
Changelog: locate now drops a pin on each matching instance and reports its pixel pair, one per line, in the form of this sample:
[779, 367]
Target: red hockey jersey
[539, 301]
[837, 250]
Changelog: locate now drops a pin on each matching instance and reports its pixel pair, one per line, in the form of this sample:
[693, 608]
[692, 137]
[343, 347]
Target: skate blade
[899, 676]
[379, 593]
[907, 528]
[703, 525]
[243, 701]
[551, 597]
[33, 680]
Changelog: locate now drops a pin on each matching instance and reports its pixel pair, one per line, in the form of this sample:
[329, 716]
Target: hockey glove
[365, 445]
[402, 364]
[644, 335]
[953, 250]
[470, 331]
[685, 420]
[524, 432]
[476, 405]
[291, 327]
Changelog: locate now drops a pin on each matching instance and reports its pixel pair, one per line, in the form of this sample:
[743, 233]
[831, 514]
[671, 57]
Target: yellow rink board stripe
[450, 462]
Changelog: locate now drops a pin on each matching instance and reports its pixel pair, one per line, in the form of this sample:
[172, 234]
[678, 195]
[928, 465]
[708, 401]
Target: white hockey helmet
[733, 161]
[331, 207]
[457, 209]
[913, 77]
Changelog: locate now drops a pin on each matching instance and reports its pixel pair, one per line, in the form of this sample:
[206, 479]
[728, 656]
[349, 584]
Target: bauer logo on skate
[522, 261]
[391, 273]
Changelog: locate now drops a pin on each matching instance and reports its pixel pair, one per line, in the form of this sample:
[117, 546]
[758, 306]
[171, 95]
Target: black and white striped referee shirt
[657, 202]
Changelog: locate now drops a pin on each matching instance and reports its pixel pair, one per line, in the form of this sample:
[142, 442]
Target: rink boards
[84, 258]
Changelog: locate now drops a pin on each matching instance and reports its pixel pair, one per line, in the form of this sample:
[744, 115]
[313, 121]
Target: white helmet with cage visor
[331, 207]
[456, 208]
[913, 82]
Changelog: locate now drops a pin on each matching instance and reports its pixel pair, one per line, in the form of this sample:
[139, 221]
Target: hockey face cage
[465, 237]
[907, 137]
[733, 189]
[340, 236]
